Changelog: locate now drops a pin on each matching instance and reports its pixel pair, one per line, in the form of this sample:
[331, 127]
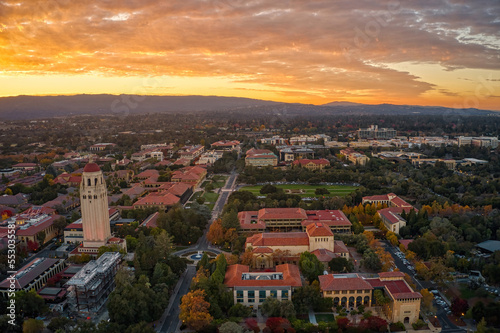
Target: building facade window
[262, 295]
[251, 296]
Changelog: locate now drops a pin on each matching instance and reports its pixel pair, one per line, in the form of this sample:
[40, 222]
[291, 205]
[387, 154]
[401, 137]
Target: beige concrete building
[352, 290]
[354, 157]
[252, 288]
[275, 248]
[260, 158]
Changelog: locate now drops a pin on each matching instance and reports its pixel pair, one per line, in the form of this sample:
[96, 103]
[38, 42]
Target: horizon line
[257, 99]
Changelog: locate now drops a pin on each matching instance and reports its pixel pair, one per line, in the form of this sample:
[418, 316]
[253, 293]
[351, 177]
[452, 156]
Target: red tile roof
[391, 197]
[389, 275]
[398, 288]
[282, 213]
[398, 202]
[35, 210]
[327, 217]
[381, 197]
[291, 277]
[166, 199]
[150, 221]
[247, 218]
[332, 282]
[42, 225]
[260, 153]
[164, 163]
[91, 167]
[182, 161]
[74, 225]
[324, 255]
[318, 229]
[175, 188]
[262, 250]
[148, 174]
[224, 143]
[306, 161]
[392, 214]
[340, 247]
[278, 239]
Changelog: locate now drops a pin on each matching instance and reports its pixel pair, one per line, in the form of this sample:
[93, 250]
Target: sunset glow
[429, 52]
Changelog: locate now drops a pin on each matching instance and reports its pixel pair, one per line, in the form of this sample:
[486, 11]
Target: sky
[425, 52]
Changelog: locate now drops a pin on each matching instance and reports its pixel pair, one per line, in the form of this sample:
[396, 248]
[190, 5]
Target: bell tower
[94, 207]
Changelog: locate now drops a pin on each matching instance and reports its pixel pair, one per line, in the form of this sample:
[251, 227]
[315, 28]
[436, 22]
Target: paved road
[171, 322]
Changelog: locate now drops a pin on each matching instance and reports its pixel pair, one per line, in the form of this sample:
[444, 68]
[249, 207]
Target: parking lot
[408, 264]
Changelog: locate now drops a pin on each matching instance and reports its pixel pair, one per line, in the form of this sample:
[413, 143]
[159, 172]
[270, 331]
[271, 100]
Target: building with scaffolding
[91, 286]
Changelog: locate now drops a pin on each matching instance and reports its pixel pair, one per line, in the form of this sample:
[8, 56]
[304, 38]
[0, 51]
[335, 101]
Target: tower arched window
[88, 182]
[95, 181]
[84, 197]
[95, 196]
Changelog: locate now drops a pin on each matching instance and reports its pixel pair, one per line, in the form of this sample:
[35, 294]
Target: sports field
[307, 190]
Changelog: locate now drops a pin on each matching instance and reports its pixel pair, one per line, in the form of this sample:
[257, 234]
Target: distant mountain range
[35, 107]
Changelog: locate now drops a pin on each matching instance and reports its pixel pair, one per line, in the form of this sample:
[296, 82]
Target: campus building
[260, 158]
[317, 164]
[390, 200]
[34, 224]
[191, 152]
[90, 287]
[483, 141]
[274, 141]
[101, 146]
[274, 248]
[354, 157]
[391, 216]
[33, 275]
[191, 175]
[373, 132]
[352, 290]
[225, 145]
[292, 219]
[252, 288]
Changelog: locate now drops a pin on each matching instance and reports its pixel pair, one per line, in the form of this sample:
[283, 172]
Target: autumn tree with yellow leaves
[194, 310]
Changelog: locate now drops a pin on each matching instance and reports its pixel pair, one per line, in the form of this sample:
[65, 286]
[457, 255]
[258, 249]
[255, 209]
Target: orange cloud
[308, 51]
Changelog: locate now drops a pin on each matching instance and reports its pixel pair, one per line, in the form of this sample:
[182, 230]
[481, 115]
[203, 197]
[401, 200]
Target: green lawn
[219, 184]
[210, 197]
[216, 181]
[326, 317]
[196, 195]
[335, 190]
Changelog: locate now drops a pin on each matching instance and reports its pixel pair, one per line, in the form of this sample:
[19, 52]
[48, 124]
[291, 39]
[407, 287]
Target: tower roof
[91, 167]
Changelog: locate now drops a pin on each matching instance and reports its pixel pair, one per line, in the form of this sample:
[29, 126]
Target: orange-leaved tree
[194, 310]
[216, 233]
